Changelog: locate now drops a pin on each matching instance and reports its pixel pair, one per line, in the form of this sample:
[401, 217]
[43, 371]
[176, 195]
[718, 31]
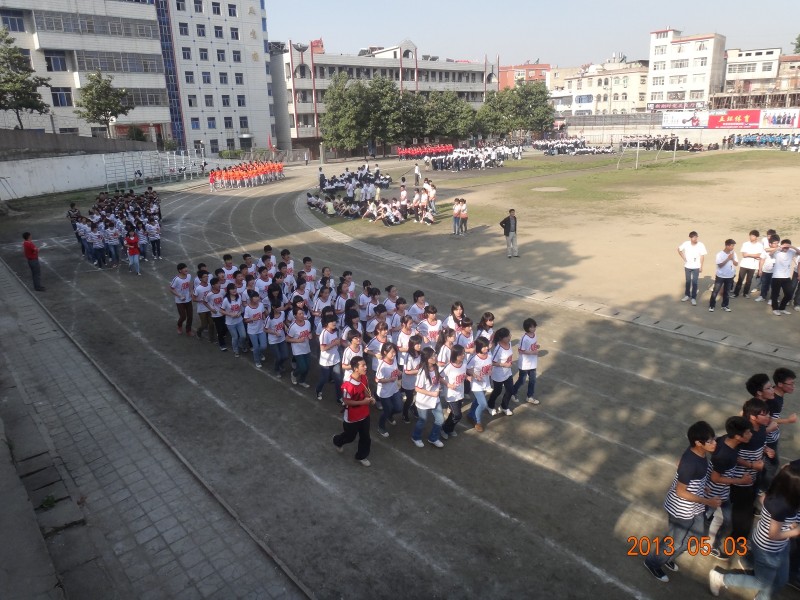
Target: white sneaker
[532, 401]
[797, 308]
[418, 443]
[786, 312]
[365, 462]
[777, 313]
[493, 411]
[759, 299]
[508, 412]
[437, 443]
[694, 302]
[716, 582]
[304, 384]
[514, 399]
[685, 298]
[294, 379]
[443, 435]
[319, 396]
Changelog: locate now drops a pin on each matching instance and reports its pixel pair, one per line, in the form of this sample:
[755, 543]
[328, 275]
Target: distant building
[760, 78]
[513, 75]
[307, 70]
[685, 71]
[615, 87]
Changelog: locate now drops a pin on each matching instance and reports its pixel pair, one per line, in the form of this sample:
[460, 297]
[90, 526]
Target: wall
[18, 143]
[33, 177]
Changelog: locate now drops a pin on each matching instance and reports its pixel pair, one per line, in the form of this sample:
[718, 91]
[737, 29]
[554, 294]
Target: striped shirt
[775, 509]
[752, 451]
[693, 473]
[775, 409]
[723, 462]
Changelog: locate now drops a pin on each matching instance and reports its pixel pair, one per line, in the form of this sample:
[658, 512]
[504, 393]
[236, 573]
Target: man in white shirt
[751, 254]
[726, 262]
[782, 276]
[693, 253]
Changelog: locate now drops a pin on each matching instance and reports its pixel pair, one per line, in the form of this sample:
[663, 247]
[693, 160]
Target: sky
[581, 32]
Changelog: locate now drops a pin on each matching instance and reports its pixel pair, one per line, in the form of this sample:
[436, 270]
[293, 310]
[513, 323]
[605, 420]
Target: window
[742, 68]
[701, 62]
[643, 80]
[209, 99]
[228, 122]
[226, 100]
[269, 89]
[215, 8]
[239, 78]
[183, 28]
[624, 96]
[588, 83]
[231, 10]
[660, 50]
[263, 23]
[699, 78]
[696, 95]
[767, 66]
[223, 79]
[220, 55]
[12, 20]
[236, 55]
[662, 35]
[616, 97]
[218, 33]
[616, 80]
[62, 96]
[192, 101]
[201, 30]
[68, 130]
[186, 53]
[195, 122]
[677, 79]
[57, 61]
[234, 33]
[180, 4]
[679, 64]
[700, 46]
[212, 122]
[659, 65]
[198, 6]
[625, 82]
[203, 53]
[642, 96]
[243, 122]
[206, 77]
[189, 76]
[230, 143]
[240, 100]
[656, 96]
[213, 145]
[676, 95]
[681, 48]
[658, 80]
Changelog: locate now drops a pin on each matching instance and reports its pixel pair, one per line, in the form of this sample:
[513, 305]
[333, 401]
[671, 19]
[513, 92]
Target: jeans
[725, 528]
[143, 250]
[99, 255]
[781, 284]
[680, 530]
[454, 417]
[332, 373]
[349, 433]
[746, 278]
[692, 275]
[280, 352]
[456, 225]
[477, 408]
[438, 419]
[36, 273]
[301, 369]
[134, 263]
[113, 252]
[222, 330]
[259, 343]
[724, 284]
[185, 313]
[464, 224]
[500, 386]
[511, 244]
[771, 573]
[238, 336]
[766, 285]
[521, 376]
[156, 245]
[391, 405]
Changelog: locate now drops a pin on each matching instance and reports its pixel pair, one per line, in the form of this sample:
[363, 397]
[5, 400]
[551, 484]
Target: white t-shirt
[783, 263]
[466, 342]
[402, 340]
[416, 313]
[374, 347]
[257, 314]
[424, 401]
[387, 371]
[750, 248]
[452, 374]
[481, 371]
[769, 262]
[528, 361]
[183, 287]
[200, 293]
[349, 354]
[215, 302]
[276, 324]
[692, 253]
[232, 306]
[411, 364]
[304, 333]
[363, 301]
[501, 355]
[728, 270]
[429, 332]
[329, 357]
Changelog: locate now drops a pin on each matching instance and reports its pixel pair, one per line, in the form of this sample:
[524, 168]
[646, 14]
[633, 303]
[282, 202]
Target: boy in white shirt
[693, 253]
[751, 255]
[726, 262]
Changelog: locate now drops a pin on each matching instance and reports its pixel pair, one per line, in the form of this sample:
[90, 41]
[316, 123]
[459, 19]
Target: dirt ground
[543, 503]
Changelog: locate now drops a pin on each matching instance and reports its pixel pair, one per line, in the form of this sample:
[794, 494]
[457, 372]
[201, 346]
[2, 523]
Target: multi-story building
[307, 70]
[685, 71]
[66, 41]
[197, 71]
[513, 75]
[613, 87]
[760, 79]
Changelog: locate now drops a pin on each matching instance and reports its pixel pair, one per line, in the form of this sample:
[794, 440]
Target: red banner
[734, 119]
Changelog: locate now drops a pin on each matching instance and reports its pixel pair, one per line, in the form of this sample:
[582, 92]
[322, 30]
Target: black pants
[156, 246]
[508, 384]
[781, 284]
[409, 401]
[351, 430]
[742, 499]
[219, 325]
[746, 277]
[454, 417]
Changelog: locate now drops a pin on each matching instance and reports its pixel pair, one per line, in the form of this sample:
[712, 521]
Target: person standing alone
[693, 253]
[509, 225]
[32, 256]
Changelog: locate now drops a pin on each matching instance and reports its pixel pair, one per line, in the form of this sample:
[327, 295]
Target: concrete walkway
[127, 517]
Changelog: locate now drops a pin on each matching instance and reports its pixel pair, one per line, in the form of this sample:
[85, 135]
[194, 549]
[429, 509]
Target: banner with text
[685, 119]
[782, 117]
[734, 119]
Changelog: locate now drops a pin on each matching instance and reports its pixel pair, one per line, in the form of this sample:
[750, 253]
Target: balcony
[303, 132]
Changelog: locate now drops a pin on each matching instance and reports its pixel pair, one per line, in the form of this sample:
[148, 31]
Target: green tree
[383, 102]
[497, 114]
[100, 102]
[448, 115]
[411, 123]
[18, 85]
[346, 117]
[532, 110]
[797, 45]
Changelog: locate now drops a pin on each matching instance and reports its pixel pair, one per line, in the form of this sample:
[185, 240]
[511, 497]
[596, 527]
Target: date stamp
[695, 546]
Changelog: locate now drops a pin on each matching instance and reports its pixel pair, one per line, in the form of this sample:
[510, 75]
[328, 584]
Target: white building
[66, 41]
[307, 72]
[615, 87]
[685, 71]
[751, 70]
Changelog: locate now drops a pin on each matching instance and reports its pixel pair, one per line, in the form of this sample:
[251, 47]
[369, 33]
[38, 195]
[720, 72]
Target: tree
[448, 115]
[532, 110]
[100, 102]
[411, 123]
[19, 91]
[383, 100]
[344, 122]
[797, 45]
[497, 115]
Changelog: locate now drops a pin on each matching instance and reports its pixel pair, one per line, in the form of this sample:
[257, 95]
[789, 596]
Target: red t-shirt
[355, 390]
[30, 250]
[132, 244]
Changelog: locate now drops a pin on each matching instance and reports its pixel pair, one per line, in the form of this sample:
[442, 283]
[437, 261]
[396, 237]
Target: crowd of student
[119, 226]
[784, 141]
[484, 157]
[248, 174]
[361, 181]
[418, 153]
[734, 477]
[418, 363]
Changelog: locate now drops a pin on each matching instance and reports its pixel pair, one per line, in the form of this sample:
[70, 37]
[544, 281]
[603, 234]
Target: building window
[679, 64]
[643, 80]
[660, 50]
[240, 100]
[213, 145]
[699, 78]
[264, 24]
[239, 78]
[228, 122]
[218, 33]
[236, 55]
[215, 8]
[226, 100]
[676, 95]
[212, 122]
[616, 97]
[701, 62]
[201, 30]
[659, 65]
[195, 122]
[243, 122]
[661, 35]
[677, 79]
[231, 10]
[269, 89]
[198, 6]
[209, 99]
[180, 4]
[186, 53]
[230, 143]
[654, 96]
[12, 20]
[55, 60]
[183, 28]
[642, 96]
[68, 130]
[681, 48]
[234, 33]
[223, 79]
[62, 96]
[206, 77]
[624, 96]
[658, 80]
[192, 101]
[742, 68]
[696, 95]
[220, 55]
[700, 46]
[767, 66]
[189, 76]
[203, 53]
[616, 80]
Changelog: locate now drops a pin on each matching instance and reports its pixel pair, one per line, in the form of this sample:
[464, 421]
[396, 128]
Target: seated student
[330, 209]
[428, 217]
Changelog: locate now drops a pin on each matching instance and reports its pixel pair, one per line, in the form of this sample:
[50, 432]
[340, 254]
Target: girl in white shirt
[454, 374]
[528, 361]
[330, 369]
[429, 328]
[363, 300]
[299, 336]
[353, 349]
[479, 368]
[417, 310]
[254, 320]
[387, 378]
[232, 307]
[502, 379]
[410, 370]
[276, 338]
[444, 345]
[453, 320]
[426, 399]
[486, 327]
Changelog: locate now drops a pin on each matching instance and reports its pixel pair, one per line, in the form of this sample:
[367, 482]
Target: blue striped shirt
[693, 473]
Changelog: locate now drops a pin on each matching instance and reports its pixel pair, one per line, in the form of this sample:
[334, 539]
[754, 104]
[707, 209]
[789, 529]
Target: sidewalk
[146, 527]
